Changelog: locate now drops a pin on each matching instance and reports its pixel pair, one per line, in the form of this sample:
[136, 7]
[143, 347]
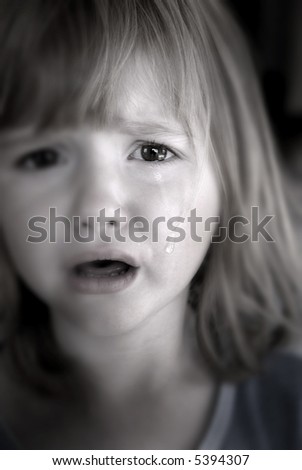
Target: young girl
[148, 260]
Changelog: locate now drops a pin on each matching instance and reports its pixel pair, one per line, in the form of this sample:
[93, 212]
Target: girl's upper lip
[103, 253]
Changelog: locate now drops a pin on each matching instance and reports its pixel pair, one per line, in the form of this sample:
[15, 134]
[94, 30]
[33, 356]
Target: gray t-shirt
[261, 412]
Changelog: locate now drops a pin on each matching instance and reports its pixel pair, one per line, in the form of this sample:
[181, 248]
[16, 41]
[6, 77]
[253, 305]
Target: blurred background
[274, 30]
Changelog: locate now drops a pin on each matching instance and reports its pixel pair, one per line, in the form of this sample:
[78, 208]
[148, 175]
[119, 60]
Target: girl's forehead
[135, 110]
[135, 106]
[140, 101]
[141, 106]
[138, 94]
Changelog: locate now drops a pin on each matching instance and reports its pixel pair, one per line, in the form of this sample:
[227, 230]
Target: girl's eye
[152, 152]
[39, 159]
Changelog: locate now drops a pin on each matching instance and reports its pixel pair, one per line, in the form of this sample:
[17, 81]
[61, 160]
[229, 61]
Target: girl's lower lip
[102, 285]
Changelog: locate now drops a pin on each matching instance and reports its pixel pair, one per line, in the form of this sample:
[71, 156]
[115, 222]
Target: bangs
[64, 63]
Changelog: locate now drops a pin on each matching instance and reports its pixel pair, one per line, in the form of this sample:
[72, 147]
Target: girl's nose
[100, 198]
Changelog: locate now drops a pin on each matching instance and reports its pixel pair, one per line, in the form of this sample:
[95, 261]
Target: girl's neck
[143, 361]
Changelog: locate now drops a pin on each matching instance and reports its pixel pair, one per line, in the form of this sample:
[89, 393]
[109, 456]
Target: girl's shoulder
[264, 411]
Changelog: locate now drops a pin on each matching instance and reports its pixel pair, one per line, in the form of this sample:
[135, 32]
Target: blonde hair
[64, 62]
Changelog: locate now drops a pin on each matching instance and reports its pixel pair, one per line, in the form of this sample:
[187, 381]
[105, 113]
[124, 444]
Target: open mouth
[102, 273]
[106, 268]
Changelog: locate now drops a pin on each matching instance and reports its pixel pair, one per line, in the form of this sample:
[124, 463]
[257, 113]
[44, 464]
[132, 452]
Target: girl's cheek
[26, 193]
[168, 191]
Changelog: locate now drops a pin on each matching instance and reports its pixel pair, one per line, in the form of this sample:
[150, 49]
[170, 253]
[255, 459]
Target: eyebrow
[151, 127]
[13, 135]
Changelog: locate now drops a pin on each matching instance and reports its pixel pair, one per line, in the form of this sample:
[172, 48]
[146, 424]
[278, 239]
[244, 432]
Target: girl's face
[82, 171]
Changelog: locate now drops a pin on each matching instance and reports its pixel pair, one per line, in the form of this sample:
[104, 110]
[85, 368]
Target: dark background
[274, 30]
